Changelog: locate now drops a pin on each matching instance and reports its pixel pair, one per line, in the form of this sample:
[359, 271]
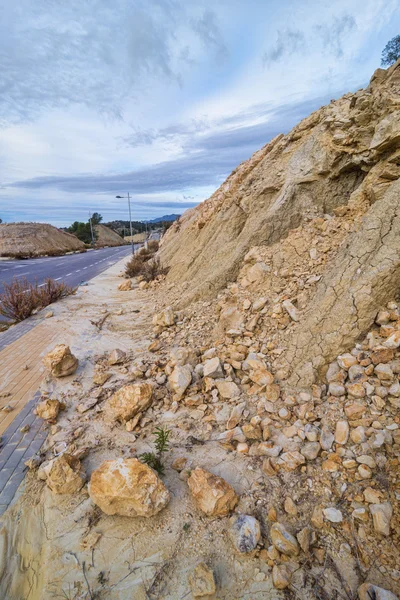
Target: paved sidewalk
[17, 448]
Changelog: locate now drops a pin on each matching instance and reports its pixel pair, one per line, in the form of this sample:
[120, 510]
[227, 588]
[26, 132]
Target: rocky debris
[333, 515]
[202, 582]
[165, 318]
[63, 474]
[125, 285]
[283, 540]
[128, 488]
[212, 494]
[213, 368]
[100, 377]
[60, 361]
[48, 409]
[116, 357]
[245, 532]
[130, 400]
[366, 591]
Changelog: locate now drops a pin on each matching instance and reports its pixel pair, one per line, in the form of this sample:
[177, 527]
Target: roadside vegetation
[86, 232]
[21, 298]
[145, 264]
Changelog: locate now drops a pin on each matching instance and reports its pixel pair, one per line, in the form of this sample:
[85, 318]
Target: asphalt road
[73, 269]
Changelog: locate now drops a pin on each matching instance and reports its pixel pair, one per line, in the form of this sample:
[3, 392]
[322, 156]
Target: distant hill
[165, 218]
[20, 240]
[107, 237]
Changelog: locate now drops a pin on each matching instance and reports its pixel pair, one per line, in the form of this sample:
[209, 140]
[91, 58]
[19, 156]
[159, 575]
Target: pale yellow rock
[64, 475]
[180, 379]
[60, 361]
[284, 541]
[212, 494]
[281, 577]
[49, 409]
[129, 488]
[125, 286]
[202, 581]
[165, 318]
[129, 401]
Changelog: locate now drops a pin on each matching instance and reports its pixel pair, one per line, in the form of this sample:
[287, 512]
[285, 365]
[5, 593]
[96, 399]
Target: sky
[163, 98]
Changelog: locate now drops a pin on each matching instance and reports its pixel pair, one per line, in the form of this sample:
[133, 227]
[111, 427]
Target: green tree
[96, 218]
[391, 52]
[1, 220]
[83, 231]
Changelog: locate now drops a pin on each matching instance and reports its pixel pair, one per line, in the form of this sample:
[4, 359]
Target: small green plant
[154, 459]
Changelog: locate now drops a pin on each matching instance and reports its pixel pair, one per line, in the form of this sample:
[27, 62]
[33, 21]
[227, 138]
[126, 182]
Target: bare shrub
[52, 291]
[134, 266]
[153, 245]
[153, 269]
[21, 298]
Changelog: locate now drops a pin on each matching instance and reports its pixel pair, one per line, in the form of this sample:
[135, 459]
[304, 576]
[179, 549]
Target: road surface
[73, 269]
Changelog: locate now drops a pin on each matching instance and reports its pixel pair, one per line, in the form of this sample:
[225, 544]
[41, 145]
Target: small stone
[357, 435]
[284, 541]
[130, 400]
[310, 450]
[259, 373]
[166, 318]
[384, 372]
[333, 515]
[372, 496]
[179, 464]
[393, 341]
[317, 518]
[291, 460]
[116, 357]
[304, 537]
[212, 494]
[100, 377]
[125, 286]
[48, 409]
[381, 515]
[342, 432]
[357, 390]
[336, 389]
[364, 472]
[49, 314]
[213, 368]
[245, 533]
[202, 581]
[291, 310]
[64, 475]
[289, 506]
[180, 379]
[327, 438]
[346, 361]
[228, 389]
[281, 577]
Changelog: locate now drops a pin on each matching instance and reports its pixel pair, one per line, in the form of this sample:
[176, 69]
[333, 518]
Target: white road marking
[68, 274]
[78, 271]
[58, 278]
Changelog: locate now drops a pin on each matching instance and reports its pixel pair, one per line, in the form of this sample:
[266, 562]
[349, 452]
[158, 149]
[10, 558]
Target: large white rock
[180, 379]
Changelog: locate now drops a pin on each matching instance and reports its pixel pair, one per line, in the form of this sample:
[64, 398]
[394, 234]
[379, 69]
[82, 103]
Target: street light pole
[130, 220]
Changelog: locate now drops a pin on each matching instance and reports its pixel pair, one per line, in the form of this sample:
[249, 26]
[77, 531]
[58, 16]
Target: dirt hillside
[108, 237]
[35, 239]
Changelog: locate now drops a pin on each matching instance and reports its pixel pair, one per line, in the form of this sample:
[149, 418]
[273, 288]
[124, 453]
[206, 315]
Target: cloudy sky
[163, 97]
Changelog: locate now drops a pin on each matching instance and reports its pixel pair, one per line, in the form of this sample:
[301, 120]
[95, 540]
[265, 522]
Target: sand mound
[108, 237]
[21, 240]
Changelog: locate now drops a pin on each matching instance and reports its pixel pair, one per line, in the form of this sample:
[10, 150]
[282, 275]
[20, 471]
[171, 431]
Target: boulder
[165, 318]
[212, 494]
[64, 475]
[202, 581]
[130, 400]
[60, 361]
[284, 541]
[48, 409]
[245, 533]
[125, 286]
[129, 488]
[180, 379]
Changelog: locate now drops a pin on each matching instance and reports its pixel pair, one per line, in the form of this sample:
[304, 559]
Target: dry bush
[153, 269]
[134, 266]
[20, 297]
[145, 253]
[153, 245]
[52, 291]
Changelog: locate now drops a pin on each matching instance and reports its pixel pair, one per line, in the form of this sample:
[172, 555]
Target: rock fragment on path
[245, 533]
[64, 474]
[130, 400]
[60, 361]
[202, 582]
